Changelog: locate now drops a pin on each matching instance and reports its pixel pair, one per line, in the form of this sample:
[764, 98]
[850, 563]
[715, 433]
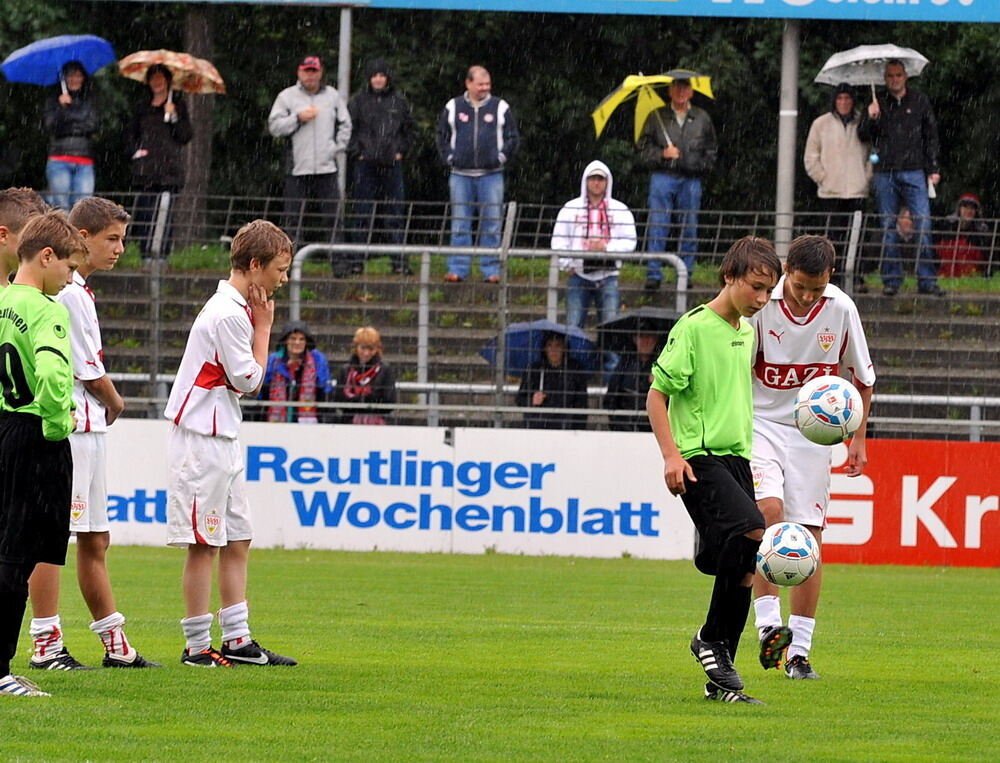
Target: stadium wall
[575, 493]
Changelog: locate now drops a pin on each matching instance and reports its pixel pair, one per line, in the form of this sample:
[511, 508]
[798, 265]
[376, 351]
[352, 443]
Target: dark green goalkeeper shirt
[36, 373]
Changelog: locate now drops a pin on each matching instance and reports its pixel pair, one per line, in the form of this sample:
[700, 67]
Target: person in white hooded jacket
[595, 225]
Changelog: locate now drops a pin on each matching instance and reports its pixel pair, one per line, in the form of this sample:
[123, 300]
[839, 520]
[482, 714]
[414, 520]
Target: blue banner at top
[858, 10]
[973, 11]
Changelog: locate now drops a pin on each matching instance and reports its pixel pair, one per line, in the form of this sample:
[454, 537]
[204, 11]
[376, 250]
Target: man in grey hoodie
[315, 117]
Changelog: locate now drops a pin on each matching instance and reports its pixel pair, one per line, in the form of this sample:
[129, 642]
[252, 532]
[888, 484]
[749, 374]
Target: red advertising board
[919, 502]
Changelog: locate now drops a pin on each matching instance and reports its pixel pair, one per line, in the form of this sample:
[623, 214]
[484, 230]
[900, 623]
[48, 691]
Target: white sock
[46, 633]
[802, 635]
[767, 610]
[112, 634]
[233, 620]
[197, 632]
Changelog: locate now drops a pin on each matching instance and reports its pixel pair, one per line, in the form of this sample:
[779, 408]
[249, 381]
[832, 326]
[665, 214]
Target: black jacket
[565, 386]
[382, 122]
[696, 141]
[71, 128]
[627, 390]
[905, 136]
[374, 382]
[163, 165]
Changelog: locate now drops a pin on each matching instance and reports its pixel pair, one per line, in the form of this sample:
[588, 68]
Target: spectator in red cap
[314, 117]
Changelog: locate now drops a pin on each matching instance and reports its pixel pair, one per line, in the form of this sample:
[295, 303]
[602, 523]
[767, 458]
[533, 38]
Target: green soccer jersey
[36, 375]
[705, 370]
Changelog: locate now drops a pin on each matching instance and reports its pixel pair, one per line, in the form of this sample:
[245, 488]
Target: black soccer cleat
[799, 667]
[773, 644]
[254, 654]
[205, 658]
[713, 656]
[138, 661]
[61, 660]
[718, 694]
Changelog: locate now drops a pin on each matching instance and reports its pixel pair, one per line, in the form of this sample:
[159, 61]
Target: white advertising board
[597, 494]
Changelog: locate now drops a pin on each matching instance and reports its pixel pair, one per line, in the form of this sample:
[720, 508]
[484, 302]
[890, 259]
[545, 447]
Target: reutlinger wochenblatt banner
[519, 491]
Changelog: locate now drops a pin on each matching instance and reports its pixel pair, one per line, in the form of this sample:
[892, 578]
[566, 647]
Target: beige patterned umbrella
[191, 75]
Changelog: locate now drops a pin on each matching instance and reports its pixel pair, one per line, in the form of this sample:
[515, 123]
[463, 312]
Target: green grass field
[410, 656]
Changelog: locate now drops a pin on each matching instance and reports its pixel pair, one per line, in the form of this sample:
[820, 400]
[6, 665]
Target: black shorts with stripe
[36, 487]
[721, 504]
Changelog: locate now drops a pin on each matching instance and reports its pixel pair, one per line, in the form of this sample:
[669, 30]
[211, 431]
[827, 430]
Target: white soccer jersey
[217, 368]
[88, 353]
[793, 350]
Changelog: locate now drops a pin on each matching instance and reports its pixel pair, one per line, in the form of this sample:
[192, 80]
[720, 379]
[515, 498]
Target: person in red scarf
[963, 239]
[297, 372]
[366, 378]
[591, 228]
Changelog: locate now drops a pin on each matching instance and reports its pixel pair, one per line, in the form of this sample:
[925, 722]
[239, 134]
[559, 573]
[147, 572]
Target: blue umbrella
[524, 346]
[41, 62]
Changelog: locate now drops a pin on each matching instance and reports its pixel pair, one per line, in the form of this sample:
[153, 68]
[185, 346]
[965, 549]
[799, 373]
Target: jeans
[908, 189]
[603, 295]
[152, 220]
[581, 293]
[68, 182]
[667, 193]
[378, 190]
[297, 222]
[472, 197]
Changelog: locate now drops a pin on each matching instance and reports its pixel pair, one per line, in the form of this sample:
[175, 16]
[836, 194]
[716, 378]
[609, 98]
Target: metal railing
[433, 411]
[432, 331]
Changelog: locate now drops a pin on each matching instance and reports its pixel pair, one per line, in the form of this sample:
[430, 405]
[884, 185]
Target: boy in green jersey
[704, 437]
[36, 417]
[17, 205]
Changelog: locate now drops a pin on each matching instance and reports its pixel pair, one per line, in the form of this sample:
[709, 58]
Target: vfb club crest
[826, 339]
[212, 522]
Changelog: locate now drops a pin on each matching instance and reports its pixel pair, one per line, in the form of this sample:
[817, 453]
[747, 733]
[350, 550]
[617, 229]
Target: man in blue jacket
[476, 137]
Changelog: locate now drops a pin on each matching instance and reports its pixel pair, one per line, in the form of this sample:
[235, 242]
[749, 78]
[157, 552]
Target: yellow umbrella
[642, 88]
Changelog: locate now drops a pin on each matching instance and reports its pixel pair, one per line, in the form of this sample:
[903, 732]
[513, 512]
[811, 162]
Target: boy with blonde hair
[208, 513]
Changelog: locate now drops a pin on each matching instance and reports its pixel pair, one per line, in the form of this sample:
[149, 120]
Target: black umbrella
[616, 335]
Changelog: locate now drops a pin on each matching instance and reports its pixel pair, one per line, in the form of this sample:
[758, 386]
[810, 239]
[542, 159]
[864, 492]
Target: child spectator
[296, 372]
[366, 378]
[555, 380]
[963, 239]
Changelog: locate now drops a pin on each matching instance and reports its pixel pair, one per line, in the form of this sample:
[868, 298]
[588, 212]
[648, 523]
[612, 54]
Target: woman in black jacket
[70, 118]
[159, 130]
[555, 380]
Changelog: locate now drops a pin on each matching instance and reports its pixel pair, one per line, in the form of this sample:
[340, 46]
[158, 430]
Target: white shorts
[789, 467]
[207, 502]
[88, 511]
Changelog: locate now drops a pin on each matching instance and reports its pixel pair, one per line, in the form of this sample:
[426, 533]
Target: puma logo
[776, 335]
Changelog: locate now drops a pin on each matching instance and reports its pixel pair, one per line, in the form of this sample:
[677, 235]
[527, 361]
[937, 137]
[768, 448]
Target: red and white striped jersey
[88, 353]
[217, 368]
[792, 350]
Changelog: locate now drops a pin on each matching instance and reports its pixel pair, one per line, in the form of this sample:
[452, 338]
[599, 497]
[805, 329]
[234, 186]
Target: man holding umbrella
[678, 145]
[902, 129]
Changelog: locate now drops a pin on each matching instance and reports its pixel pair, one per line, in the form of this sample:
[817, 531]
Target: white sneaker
[21, 687]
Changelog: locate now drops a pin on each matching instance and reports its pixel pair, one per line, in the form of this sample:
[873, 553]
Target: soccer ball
[828, 410]
[788, 554]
